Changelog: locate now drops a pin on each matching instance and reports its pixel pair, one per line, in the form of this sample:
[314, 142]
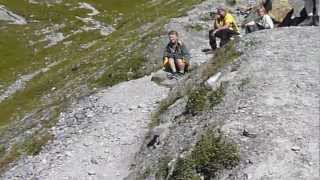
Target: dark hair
[173, 33]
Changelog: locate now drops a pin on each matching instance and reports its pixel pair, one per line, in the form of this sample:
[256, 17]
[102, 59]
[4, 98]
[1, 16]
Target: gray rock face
[270, 109]
[279, 103]
[12, 18]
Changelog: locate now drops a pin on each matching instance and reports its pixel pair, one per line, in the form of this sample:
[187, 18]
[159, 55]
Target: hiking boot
[307, 22]
[171, 75]
[180, 74]
[316, 20]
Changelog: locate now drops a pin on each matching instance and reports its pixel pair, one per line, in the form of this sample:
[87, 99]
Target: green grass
[211, 154]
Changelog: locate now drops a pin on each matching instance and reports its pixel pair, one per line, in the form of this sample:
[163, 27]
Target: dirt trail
[102, 146]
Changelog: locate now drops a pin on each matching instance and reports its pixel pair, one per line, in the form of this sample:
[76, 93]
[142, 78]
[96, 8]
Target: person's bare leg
[172, 65]
[180, 65]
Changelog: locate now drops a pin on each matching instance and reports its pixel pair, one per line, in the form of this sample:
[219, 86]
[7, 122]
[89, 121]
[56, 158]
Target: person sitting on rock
[303, 14]
[264, 21]
[225, 27]
[176, 56]
[312, 10]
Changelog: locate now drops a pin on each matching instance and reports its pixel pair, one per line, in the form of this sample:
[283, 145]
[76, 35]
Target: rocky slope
[268, 107]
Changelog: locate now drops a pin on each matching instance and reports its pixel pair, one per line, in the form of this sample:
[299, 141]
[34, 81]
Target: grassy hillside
[83, 59]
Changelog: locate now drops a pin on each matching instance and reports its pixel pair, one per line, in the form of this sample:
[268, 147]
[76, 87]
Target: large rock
[6, 15]
[280, 9]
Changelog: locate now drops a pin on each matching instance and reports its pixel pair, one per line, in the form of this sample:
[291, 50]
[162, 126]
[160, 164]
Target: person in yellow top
[225, 26]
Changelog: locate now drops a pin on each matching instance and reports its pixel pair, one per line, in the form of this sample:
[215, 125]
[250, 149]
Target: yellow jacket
[227, 19]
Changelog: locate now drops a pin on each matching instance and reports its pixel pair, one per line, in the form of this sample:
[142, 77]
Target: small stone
[94, 161]
[86, 144]
[248, 161]
[79, 116]
[68, 153]
[295, 148]
[91, 173]
[246, 133]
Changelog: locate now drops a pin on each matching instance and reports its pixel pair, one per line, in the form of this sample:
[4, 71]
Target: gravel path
[98, 138]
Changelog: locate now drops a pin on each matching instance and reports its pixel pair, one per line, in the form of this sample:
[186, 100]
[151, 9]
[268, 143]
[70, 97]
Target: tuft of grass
[163, 170]
[212, 154]
[2, 150]
[33, 145]
[231, 2]
[10, 156]
[184, 170]
[196, 27]
[244, 82]
[202, 99]
[197, 101]
[216, 97]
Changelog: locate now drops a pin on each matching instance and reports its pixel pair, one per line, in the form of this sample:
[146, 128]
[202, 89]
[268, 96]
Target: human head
[221, 11]
[261, 11]
[173, 36]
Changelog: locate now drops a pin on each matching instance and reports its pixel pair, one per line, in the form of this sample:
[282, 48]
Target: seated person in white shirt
[264, 21]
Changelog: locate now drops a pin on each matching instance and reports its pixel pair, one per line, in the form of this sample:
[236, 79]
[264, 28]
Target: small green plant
[10, 156]
[231, 2]
[244, 82]
[211, 154]
[2, 150]
[163, 170]
[215, 97]
[33, 145]
[184, 170]
[196, 27]
[197, 101]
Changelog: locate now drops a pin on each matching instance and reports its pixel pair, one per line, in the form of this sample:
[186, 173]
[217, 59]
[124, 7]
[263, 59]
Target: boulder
[8, 16]
[159, 76]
